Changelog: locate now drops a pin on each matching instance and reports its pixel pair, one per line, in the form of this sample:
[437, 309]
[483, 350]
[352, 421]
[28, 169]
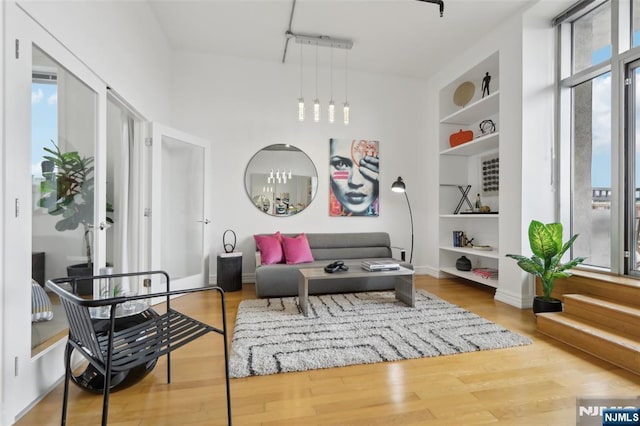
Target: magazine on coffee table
[380, 265]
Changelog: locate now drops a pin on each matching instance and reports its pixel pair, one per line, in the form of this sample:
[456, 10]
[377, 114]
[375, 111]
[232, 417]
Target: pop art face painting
[353, 172]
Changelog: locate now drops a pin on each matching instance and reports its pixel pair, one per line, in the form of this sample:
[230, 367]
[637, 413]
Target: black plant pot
[540, 304]
[85, 287]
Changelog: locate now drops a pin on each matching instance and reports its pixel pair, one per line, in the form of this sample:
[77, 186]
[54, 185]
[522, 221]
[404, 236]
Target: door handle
[205, 221]
[101, 226]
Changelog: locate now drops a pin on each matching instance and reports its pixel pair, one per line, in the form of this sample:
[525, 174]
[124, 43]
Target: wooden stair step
[619, 348]
[611, 314]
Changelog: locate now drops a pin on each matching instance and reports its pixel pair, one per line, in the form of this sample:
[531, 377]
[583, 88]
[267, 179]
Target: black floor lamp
[399, 186]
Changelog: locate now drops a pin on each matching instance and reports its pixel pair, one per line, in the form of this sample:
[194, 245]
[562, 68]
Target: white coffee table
[404, 283]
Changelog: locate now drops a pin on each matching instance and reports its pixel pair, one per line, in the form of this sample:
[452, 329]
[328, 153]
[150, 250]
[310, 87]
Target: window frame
[622, 55]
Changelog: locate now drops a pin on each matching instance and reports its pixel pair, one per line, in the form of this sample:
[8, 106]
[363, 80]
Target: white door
[30, 54]
[180, 188]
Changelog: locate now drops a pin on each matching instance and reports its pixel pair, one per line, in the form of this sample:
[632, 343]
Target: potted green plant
[68, 191]
[548, 249]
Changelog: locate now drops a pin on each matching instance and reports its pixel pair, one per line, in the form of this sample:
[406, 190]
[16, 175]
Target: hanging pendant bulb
[345, 108]
[345, 113]
[316, 102]
[316, 110]
[332, 105]
[300, 99]
[300, 109]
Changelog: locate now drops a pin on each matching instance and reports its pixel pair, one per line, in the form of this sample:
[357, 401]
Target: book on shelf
[380, 265]
[488, 273]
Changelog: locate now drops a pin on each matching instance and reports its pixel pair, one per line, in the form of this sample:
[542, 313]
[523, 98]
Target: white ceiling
[402, 37]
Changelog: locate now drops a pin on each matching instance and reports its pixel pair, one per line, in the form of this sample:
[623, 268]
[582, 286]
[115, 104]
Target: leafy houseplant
[67, 191]
[548, 249]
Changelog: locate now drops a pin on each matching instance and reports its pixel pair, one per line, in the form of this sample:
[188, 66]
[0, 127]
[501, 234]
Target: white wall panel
[244, 105]
[120, 41]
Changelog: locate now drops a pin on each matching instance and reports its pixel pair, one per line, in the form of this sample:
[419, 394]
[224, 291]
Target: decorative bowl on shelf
[485, 248]
[464, 93]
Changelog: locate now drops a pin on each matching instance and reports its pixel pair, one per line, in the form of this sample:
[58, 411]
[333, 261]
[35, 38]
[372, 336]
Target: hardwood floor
[530, 385]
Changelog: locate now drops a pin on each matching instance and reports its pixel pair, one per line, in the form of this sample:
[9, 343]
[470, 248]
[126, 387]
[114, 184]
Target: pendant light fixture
[319, 41]
[332, 106]
[301, 99]
[316, 102]
[346, 109]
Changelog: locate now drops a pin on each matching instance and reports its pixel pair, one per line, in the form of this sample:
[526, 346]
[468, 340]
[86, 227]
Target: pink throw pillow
[270, 247]
[296, 249]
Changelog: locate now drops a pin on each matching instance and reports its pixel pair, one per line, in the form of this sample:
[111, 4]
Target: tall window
[591, 38]
[591, 171]
[588, 161]
[635, 23]
[632, 188]
[598, 139]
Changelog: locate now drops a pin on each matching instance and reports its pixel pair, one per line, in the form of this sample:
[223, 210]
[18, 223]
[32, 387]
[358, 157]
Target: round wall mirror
[281, 180]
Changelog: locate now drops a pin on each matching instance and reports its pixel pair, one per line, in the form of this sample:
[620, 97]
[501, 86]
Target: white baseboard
[246, 278]
[513, 299]
[428, 270]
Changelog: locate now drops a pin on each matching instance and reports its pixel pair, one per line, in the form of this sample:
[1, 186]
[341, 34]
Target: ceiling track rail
[326, 41]
[286, 42]
[312, 39]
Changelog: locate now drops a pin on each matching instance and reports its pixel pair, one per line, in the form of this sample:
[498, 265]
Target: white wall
[527, 58]
[3, 107]
[538, 185]
[120, 41]
[122, 44]
[244, 105]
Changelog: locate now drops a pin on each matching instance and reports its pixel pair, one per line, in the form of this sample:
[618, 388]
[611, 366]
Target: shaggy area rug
[272, 336]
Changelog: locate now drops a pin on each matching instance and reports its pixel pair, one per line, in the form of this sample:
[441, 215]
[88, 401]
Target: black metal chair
[111, 351]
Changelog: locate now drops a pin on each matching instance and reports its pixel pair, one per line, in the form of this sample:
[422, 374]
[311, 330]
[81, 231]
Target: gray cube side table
[229, 273]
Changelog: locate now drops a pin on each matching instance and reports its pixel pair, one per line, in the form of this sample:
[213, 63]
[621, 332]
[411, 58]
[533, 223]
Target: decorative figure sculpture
[487, 126]
[485, 84]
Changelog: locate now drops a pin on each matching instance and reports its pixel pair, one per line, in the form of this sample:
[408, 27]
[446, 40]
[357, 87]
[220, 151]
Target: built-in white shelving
[470, 216]
[462, 165]
[477, 146]
[491, 282]
[476, 111]
[493, 253]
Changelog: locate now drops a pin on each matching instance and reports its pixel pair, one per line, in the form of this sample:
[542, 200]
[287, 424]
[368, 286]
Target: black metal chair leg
[67, 377]
[226, 356]
[169, 368]
[108, 366]
[105, 398]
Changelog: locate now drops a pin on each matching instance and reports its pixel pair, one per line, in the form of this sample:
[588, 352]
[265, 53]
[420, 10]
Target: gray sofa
[280, 280]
